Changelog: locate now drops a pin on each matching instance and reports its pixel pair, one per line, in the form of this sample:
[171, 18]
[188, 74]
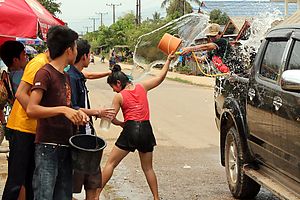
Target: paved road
[186, 159]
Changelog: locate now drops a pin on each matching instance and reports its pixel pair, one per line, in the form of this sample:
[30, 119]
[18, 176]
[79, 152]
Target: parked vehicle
[258, 117]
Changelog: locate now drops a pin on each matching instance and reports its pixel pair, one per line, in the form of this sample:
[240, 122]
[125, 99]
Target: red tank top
[135, 104]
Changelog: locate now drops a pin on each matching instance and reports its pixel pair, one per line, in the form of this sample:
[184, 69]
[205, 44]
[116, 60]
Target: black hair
[118, 75]
[83, 48]
[10, 50]
[60, 38]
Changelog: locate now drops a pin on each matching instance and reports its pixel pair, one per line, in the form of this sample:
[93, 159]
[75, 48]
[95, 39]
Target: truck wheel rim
[232, 162]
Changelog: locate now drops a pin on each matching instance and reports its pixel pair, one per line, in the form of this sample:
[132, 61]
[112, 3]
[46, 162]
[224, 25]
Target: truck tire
[240, 185]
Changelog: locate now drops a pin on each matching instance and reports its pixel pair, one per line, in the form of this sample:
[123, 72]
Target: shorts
[136, 135]
[90, 181]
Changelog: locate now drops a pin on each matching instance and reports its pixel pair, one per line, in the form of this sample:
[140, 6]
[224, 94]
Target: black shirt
[222, 50]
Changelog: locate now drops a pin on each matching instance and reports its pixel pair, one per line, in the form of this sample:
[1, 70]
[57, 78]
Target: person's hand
[84, 118]
[171, 56]
[77, 117]
[186, 50]
[109, 113]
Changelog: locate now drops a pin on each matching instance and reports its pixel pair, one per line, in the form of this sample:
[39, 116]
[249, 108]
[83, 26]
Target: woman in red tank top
[137, 131]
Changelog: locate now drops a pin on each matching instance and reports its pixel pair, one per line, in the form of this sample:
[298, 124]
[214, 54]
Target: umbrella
[22, 18]
[28, 41]
[30, 50]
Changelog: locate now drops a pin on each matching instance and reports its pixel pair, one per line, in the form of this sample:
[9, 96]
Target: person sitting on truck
[217, 47]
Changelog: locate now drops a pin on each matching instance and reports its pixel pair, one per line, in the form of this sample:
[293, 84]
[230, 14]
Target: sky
[77, 12]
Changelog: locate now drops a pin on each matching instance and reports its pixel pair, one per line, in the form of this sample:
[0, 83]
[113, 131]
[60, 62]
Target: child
[80, 100]
[137, 131]
[50, 103]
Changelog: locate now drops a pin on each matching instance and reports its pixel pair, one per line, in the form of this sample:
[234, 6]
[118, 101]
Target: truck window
[294, 62]
[272, 59]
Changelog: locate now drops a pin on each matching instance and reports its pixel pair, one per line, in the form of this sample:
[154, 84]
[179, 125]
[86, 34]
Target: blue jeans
[52, 177]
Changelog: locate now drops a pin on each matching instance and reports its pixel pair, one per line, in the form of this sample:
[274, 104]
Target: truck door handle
[277, 102]
[251, 93]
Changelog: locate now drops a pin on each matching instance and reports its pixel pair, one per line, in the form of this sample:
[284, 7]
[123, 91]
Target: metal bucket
[87, 152]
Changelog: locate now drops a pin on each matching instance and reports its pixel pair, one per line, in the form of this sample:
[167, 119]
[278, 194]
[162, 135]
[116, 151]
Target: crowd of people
[50, 103]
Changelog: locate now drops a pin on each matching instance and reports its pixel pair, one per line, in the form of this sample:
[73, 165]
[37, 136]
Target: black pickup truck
[258, 117]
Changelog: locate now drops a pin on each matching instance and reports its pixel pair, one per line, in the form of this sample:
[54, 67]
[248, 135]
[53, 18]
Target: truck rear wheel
[240, 185]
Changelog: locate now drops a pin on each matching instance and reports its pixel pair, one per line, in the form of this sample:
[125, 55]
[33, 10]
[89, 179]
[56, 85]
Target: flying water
[193, 26]
[147, 55]
[242, 57]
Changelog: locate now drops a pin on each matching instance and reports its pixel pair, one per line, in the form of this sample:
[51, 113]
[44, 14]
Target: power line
[101, 17]
[114, 10]
[94, 19]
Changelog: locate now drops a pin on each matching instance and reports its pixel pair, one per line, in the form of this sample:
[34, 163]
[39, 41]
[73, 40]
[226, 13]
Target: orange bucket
[169, 43]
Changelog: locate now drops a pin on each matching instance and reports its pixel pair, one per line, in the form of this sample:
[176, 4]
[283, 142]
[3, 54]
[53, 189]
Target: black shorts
[136, 135]
[90, 181]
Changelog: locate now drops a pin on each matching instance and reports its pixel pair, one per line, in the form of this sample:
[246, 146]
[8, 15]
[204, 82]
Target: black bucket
[87, 152]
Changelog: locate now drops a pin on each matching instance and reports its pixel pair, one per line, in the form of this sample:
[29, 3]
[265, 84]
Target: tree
[51, 6]
[165, 2]
[178, 8]
[216, 16]
[156, 16]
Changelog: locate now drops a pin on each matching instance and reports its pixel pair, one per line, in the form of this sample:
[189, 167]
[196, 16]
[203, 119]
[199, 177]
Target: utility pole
[114, 10]
[137, 13]
[101, 17]
[140, 15]
[138, 18]
[94, 19]
[183, 7]
[87, 28]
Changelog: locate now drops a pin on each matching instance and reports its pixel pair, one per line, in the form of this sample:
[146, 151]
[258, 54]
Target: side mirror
[290, 80]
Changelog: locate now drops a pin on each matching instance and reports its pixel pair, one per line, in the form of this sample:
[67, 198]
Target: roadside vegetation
[125, 31]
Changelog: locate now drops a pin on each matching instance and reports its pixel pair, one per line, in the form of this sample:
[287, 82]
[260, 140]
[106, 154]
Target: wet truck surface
[258, 117]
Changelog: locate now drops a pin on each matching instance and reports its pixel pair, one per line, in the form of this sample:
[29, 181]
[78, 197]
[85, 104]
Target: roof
[290, 1]
[247, 8]
[121, 46]
[293, 19]
[239, 21]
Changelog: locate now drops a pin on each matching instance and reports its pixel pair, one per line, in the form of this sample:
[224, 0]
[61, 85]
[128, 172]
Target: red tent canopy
[23, 18]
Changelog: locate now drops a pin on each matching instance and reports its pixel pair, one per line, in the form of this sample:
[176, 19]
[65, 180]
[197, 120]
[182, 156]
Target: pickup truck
[258, 117]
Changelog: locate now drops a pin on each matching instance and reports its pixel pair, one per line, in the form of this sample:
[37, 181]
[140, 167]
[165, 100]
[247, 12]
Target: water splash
[147, 55]
[242, 57]
[260, 25]
[193, 26]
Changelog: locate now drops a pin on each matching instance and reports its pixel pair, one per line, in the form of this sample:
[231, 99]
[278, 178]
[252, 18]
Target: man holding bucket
[80, 100]
[218, 48]
[50, 103]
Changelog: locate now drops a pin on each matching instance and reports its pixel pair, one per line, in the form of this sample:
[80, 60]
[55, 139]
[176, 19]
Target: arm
[153, 82]
[22, 94]
[34, 110]
[201, 47]
[117, 101]
[95, 75]
[101, 112]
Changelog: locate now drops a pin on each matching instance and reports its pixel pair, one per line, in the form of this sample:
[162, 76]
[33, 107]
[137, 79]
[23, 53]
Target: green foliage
[178, 8]
[51, 6]
[123, 32]
[216, 16]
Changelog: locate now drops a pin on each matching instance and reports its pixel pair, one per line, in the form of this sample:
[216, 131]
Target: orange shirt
[18, 119]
